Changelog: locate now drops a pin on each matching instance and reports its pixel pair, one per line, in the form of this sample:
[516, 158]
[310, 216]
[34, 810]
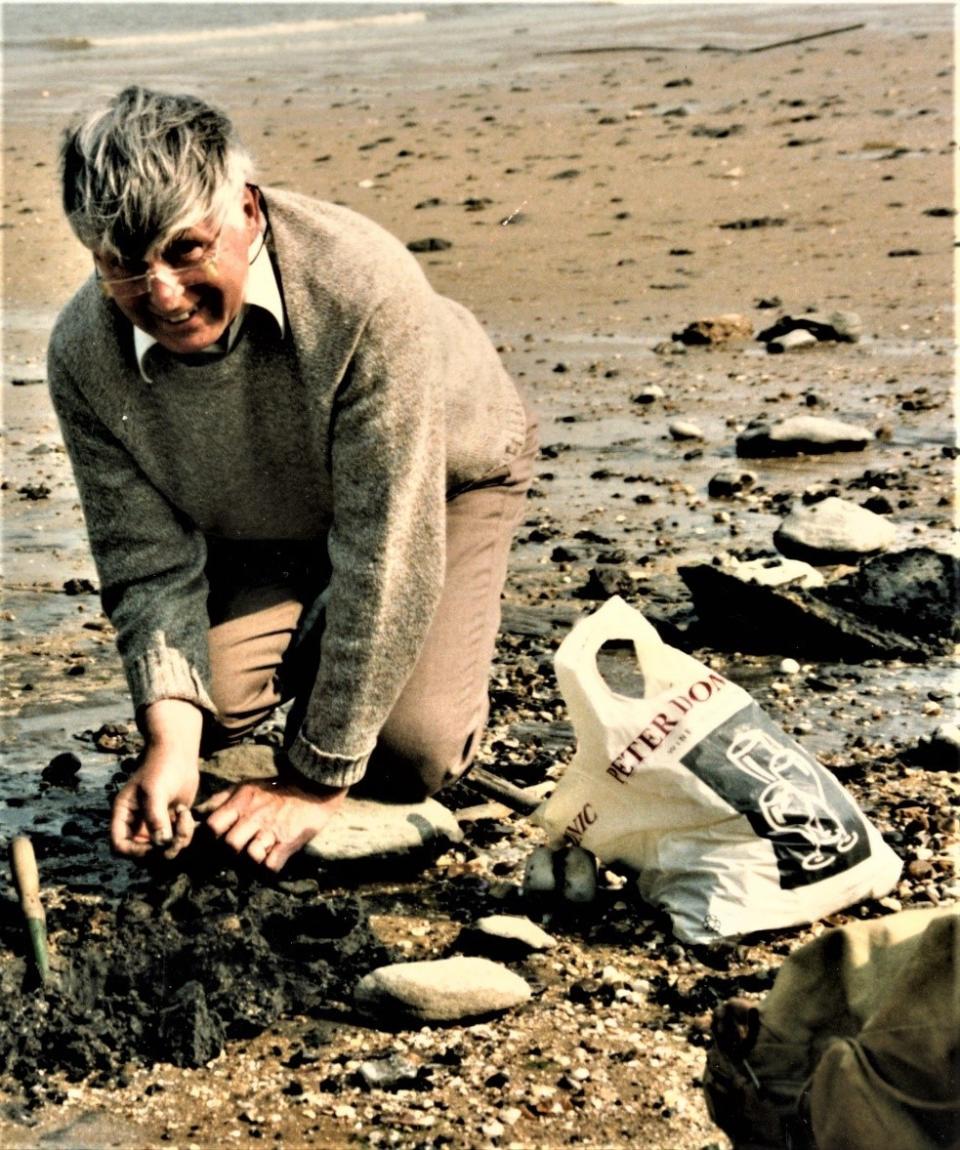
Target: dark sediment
[188, 959]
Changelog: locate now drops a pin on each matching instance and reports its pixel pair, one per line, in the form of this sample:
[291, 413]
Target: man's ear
[252, 216]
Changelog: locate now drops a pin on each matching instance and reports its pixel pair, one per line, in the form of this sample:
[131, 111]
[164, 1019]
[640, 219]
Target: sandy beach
[602, 176]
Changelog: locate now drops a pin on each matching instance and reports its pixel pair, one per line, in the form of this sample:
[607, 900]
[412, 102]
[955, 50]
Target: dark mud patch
[186, 960]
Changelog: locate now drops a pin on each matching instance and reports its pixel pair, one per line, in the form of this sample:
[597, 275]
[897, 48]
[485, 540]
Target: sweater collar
[262, 291]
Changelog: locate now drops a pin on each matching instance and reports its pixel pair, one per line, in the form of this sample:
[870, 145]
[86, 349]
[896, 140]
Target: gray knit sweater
[391, 399]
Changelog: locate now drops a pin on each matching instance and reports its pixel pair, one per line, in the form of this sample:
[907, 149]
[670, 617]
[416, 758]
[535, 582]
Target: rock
[789, 667]
[715, 330]
[683, 429]
[833, 531]
[912, 591]
[238, 764]
[430, 244]
[802, 435]
[79, 587]
[831, 327]
[579, 868]
[669, 347]
[939, 750]
[791, 341]
[364, 829]
[187, 1034]
[62, 770]
[748, 223]
[568, 874]
[444, 990]
[539, 878]
[740, 615]
[504, 937]
[726, 484]
[649, 394]
[391, 1073]
[603, 582]
[776, 572]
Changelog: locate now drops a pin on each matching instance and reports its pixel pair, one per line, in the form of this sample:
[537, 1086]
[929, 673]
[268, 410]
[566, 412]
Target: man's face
[186, 318]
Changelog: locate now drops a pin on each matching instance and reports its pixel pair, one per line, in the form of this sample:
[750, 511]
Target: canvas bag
[857, 1046]
[729, 824]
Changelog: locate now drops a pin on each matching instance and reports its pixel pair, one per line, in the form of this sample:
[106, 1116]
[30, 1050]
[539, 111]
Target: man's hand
[152, 809]
[268, 819]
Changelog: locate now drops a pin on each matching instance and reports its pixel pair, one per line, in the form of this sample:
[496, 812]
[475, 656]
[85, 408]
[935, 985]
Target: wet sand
[584, 196]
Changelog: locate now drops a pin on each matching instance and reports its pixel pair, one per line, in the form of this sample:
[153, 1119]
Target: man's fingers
[215, 802]
[128, 835]
[244, 831]
[183, 828]
[277, 858]
[261, 844]
[156, 815]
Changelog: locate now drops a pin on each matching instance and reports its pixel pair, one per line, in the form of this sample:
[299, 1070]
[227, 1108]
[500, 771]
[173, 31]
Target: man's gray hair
[147, 165]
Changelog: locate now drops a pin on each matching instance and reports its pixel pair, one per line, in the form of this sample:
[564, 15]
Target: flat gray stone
[802, 435]
[833, 531]
[445, 990]
[505, 937]
[242, 762]
[364, 829]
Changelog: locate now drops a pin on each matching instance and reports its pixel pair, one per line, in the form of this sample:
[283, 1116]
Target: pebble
[682, 429]
[795, 340]
[539, 878]
[833, 531]
[390, 1073]
[505, 936]
[443, 990]
[579, 875]
[62, 770]
[649, 394]
[789, 667]
[725, 484]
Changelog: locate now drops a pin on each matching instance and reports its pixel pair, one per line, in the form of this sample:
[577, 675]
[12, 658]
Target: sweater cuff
[164, 673]
[323, 768]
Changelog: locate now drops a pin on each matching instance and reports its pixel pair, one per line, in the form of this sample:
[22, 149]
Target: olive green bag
[856, 1047]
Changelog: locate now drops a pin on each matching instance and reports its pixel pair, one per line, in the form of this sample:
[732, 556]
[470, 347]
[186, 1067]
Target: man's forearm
[173, 726]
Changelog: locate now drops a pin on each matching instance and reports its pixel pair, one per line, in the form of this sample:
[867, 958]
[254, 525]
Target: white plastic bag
[730, 825]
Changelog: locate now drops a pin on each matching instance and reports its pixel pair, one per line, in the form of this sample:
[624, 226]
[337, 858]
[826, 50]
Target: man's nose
[164, 287]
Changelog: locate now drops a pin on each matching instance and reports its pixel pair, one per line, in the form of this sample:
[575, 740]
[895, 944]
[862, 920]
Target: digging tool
[518, 799]
[27, 881]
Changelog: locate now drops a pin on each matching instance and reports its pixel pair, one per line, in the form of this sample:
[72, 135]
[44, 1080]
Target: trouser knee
[412, 765]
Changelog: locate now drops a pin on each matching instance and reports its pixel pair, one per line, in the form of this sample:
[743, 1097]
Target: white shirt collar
[262, 291]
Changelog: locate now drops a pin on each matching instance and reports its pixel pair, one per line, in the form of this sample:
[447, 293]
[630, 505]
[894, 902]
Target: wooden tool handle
[26, 876]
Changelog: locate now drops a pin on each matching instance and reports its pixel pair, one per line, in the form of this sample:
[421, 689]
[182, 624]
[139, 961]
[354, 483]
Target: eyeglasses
[184, 263]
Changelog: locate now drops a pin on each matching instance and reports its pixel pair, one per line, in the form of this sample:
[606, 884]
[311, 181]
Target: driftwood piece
[600, 48]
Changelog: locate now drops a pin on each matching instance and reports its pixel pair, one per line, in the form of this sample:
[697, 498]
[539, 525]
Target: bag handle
[576, 659]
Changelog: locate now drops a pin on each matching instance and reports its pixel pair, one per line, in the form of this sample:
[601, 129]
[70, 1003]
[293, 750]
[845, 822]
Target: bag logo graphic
[812, 825]
[792, 802]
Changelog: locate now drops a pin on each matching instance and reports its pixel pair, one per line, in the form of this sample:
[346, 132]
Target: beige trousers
[265, 642]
